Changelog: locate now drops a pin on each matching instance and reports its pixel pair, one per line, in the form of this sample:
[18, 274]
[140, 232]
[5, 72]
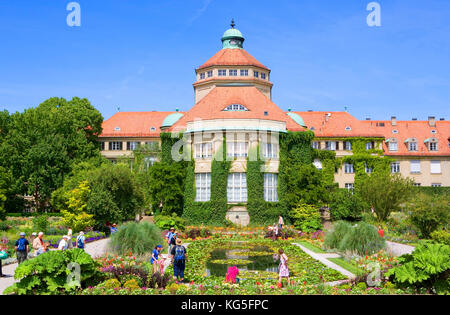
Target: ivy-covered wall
[214, 211]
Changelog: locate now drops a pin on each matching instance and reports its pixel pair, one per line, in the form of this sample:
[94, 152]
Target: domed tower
[232, 66]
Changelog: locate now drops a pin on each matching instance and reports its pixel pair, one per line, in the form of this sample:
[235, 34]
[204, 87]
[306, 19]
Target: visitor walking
[232, 274]
[155, 258]
[3, 255]
[283, 270]
[69, 241]
[81, 240]
[22, 247]
[63, 244]
[280, 224]
[169, 237]
[173, 241]
[113, 229]
[179, 257]
[38, 243]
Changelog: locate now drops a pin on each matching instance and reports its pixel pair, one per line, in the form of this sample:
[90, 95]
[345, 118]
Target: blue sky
[141, 55]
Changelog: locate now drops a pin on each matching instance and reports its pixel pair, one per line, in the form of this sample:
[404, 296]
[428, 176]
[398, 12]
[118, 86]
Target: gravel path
[95, 249]
[398, 249]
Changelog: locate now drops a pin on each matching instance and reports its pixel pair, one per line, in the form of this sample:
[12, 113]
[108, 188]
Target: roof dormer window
[395, 131]
[432, 144]
[117, 129]
[348, 128]
[236, 108]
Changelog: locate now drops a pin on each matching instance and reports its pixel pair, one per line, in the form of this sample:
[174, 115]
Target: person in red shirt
[381, 231]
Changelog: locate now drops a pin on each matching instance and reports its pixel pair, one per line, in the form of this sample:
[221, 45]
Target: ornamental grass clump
[334, 238]
[362, 239]
[139, 238]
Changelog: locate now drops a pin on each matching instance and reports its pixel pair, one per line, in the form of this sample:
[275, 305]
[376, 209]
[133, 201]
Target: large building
[233, 95]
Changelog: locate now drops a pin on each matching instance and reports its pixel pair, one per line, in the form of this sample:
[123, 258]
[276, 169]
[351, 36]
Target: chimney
[432, 121]
[368, 119]
[394, 121]
[442, 119]
[414, 119]
[327, 117]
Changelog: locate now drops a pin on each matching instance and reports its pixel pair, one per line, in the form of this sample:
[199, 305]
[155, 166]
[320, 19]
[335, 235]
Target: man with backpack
[81, 240]
[179, 258]
[22, 247]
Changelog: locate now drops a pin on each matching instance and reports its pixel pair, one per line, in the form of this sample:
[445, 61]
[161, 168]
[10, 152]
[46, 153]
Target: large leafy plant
[306, 217]
[428, 266]
[50, 273]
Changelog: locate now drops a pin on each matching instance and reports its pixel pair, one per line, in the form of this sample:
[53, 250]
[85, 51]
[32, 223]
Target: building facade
[233, 96]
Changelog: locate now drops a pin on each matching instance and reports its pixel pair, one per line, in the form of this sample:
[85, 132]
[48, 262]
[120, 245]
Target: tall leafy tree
[42, 144]
[384, 192]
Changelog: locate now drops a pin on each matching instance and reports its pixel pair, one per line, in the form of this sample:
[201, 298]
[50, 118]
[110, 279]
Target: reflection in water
[260, 262]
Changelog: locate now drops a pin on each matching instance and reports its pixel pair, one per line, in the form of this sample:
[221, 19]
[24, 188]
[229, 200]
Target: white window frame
[271, 187]
[203, 150]
[348, 146]
[395, 168]
[222, 73]
[435, 167]
[237, 188]
[349, 168]
[256, 74]
[331, 145]
[233, 73]
[433, 146]
[116, 145]
[202, 76]
[210, 73]
[316, 145]
[236, 108]
[412, 146]
[270, 150]
[436, 185]
[237, 149]
[132, 145]
[393, 145]
[350, 186]
[369, 170]
[415, 167]
[369, 146]
[244, 73]
[263, 76]
[203, 187]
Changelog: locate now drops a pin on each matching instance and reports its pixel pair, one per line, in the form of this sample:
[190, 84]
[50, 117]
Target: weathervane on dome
[232, 23]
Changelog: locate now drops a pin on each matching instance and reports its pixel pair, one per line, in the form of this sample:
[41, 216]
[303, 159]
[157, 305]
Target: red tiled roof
[420, 130]
[232, 57]
[212, 107]
[134, 124]
[336, 125]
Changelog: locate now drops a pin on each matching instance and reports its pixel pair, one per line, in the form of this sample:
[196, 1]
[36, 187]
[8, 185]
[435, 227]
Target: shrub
[131, 285]
[333, 239]
[346, 205]
[139, 238]
[362, 239]
[428, 266]
[4, 226]
[111, 284]
[442, 237]
[198, 232]
[306, 217]
[166, 222]
[41, 223]
[429, 212]
[48, 273]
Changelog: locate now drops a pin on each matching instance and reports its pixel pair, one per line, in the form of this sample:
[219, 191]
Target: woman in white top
[280, 223]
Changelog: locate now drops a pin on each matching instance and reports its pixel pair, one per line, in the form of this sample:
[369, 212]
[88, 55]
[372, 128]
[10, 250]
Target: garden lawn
[346, 265]
[312, 248]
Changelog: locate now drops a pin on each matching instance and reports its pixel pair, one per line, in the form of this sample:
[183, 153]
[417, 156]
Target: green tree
[306, 217]
[166, 187]
[41, 145]
[345, 205]
[385, 192]
[429, 212]
[75, 216]
[305, 183]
